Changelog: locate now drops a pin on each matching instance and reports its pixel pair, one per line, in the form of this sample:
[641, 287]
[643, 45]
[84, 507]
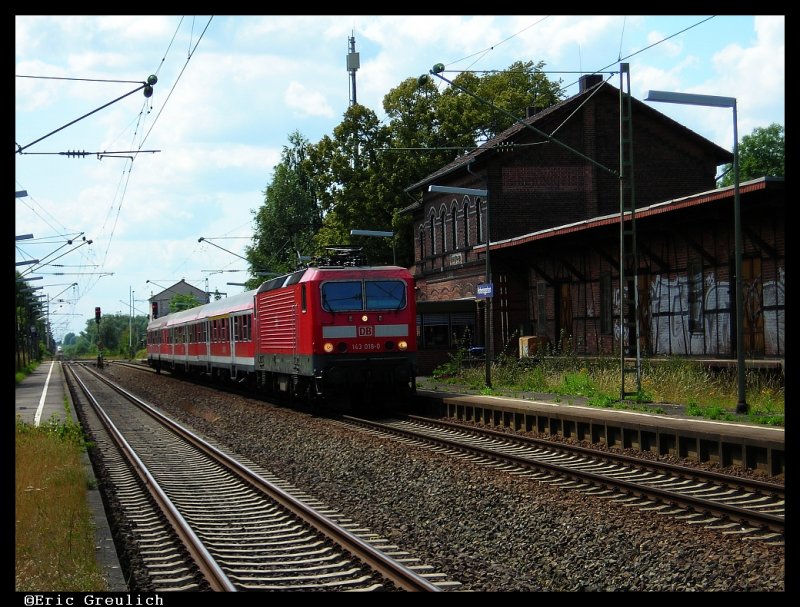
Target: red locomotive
[314, 333]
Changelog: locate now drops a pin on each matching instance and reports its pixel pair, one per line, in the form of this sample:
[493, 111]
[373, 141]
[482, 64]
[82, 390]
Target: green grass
[54, 528]
[711, 394]
[24, 372]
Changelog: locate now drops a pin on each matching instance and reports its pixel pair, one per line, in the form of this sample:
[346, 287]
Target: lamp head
[437, 68]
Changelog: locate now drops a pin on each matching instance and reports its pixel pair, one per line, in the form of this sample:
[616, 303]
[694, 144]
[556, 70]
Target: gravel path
[487, 529]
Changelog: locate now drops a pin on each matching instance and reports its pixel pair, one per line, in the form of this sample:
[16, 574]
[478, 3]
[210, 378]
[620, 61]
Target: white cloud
[306, 102]
[221, 118]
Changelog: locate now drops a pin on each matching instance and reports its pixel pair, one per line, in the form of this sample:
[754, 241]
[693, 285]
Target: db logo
[365, 331]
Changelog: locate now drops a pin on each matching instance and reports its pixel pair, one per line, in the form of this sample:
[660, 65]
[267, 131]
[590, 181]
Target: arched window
[432, 231]
[422, 244]
[443, 215]
[466, 222]
[454, 225]
[479, 218]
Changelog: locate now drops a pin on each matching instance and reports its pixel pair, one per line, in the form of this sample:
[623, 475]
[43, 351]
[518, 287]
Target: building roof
[179, 288]
[668, 206]
[561, 111]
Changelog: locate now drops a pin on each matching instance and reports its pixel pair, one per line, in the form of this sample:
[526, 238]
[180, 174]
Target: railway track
[204, 521]
[734, 505]
[755, 510]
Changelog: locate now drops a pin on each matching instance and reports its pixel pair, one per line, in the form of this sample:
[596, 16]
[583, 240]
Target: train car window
[303, 297]
[343, 296]
[241, 328]
[385, 294]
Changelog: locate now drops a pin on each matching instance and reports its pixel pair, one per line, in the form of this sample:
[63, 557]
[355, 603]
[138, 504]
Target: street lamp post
[380, 234]
[717, 101]
[484, 193]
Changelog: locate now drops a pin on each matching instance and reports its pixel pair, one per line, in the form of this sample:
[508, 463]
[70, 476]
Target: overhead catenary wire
[115, 209]
[598, 71]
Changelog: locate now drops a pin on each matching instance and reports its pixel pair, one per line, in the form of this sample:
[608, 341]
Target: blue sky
[232, 88]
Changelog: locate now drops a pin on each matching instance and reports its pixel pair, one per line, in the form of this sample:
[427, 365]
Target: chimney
[588, 81]
[533, 110]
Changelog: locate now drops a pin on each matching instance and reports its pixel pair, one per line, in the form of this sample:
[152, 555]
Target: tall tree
[356, 177]
[521, 86]
[30, 326]
[761, 153]
[113, 332]
[290, 217]
[181, 302]
[350, 173]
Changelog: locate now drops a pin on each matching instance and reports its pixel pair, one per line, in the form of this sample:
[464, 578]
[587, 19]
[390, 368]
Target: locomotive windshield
[357, 295]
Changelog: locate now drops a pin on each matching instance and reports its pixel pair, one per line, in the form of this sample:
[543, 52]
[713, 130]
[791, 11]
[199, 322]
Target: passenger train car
[314, 333]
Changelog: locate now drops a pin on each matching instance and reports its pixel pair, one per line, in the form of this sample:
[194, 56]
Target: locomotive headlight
[328, 347]
[402, 345]
[365, 318]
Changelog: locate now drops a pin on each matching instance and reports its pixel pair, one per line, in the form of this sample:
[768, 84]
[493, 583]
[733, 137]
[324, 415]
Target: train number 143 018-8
[366, 347]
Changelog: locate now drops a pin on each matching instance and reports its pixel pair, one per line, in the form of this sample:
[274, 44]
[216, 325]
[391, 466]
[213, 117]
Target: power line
[78, 79]
[100, 155]
[147, 86]
[191, 54]
[601, 70]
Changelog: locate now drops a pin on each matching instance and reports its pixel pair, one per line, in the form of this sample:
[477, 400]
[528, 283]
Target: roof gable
[539, 122]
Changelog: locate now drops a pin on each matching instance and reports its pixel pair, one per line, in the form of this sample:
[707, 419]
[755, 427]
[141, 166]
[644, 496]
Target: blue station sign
[485, 291]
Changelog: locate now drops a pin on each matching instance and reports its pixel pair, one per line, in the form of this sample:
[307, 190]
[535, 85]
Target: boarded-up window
[541, 308]
[606, 304]
[694, 272]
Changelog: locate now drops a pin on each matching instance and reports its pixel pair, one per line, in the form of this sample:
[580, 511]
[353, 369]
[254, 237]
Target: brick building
[159, 303]
[554, 211]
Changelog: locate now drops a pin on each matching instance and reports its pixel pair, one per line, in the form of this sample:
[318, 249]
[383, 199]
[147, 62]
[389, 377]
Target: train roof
[234, 303]
[332, 272]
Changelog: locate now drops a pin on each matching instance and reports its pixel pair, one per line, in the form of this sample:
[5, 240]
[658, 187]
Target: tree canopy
[355, 178]
[180, 302]
[761, 153]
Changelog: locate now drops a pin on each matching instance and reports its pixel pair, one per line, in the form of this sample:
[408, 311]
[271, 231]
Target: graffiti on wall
[773, 310]
[669, 316]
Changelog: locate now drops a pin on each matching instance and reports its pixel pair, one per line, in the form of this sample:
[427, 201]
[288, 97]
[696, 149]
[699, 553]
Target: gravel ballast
[487, 529]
